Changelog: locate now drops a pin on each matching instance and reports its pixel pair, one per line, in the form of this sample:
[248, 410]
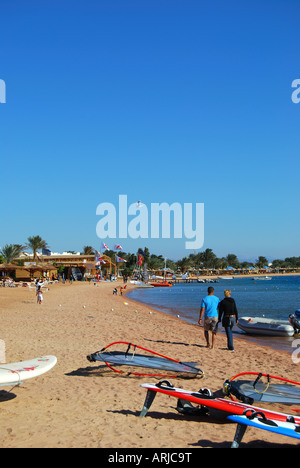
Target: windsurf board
[204, 398]
[16, 373]
[259, 421]
[279, 427]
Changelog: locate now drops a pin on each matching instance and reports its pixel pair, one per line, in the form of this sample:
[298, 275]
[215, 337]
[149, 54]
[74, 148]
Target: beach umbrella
[40, 267]
[10, 267]
[47, 266]
[230, 268]
[33, 267]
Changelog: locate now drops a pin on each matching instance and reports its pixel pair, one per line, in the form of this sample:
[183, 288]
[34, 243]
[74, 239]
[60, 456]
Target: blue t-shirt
[210, 303]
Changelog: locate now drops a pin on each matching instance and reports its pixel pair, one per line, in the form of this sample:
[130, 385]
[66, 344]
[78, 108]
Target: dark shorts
[211, 324]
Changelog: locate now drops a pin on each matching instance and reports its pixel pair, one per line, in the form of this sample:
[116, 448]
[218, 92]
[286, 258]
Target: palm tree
[35, 243]
[88, 250]
[208, 258]
[233, 260]
[11, 251]
[261, 262]
[183, 264]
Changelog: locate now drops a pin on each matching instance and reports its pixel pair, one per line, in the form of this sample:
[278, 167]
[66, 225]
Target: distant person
[38, 285]
[115, 291]
[209, 309]
[39, 296]
[228, 315]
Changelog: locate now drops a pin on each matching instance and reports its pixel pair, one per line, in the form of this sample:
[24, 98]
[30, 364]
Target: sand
[82, 404]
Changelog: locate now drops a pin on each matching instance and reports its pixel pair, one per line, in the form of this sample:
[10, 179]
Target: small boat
[264, 326]
[262, 278]
[141, 284]
[162, 284]
[207, 280]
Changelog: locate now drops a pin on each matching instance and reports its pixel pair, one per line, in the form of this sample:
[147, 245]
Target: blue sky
[164, 101]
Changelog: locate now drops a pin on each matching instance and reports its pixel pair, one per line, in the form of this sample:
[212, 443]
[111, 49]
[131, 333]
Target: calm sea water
[274, 299]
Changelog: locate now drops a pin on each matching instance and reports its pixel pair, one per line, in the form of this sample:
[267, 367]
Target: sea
[276, 299]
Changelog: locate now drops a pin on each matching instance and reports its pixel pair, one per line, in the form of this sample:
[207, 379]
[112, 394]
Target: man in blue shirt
[209, 309]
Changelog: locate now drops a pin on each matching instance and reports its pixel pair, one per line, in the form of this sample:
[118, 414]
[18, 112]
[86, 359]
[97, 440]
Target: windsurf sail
[262, 388]
[147, 360]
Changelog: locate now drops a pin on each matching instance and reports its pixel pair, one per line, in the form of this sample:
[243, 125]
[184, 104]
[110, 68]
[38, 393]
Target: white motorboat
[265, 326]
[141, 284]
[262, 278]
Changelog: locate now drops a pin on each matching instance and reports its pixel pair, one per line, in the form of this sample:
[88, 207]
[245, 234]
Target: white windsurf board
[16, 373]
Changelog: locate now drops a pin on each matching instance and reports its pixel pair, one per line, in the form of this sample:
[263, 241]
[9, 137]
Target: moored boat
[262, 278]
[265, 326]
[161, 284]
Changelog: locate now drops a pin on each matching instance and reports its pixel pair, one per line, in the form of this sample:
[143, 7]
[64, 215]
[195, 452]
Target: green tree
[11, 251]
[88, 250]
[36, 243]
[208, 258]
[293, 262]
[233, 260]
[155, 262]
[261, 262]
[184, 264]
[246, 264]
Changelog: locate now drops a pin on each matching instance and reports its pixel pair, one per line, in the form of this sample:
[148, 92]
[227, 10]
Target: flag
[46, 252]
[105, 246]
[97, 255]
[141, 252]
[118, 247]
[99, 260]
[140, 260]
[120, 259]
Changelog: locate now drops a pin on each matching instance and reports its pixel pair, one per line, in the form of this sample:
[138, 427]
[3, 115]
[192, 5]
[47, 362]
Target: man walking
[209, 308]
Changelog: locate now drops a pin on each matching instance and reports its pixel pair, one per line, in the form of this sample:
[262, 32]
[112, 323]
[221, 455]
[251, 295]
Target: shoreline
[268, 342]
[283, 344]
[87, 405]
[249, 276]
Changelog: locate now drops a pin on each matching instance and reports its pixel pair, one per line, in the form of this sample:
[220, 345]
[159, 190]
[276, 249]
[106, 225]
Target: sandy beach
[87, 405]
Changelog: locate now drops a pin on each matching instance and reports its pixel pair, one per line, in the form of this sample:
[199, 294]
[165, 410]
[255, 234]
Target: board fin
[151, 394]
[239, 434]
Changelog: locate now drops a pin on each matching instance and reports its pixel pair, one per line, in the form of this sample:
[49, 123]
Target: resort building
[66, 265]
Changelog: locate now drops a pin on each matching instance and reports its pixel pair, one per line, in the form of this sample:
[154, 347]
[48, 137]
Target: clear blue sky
[162, 100]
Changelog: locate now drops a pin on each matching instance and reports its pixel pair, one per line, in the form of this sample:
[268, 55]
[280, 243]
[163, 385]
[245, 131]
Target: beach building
[67, 265]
